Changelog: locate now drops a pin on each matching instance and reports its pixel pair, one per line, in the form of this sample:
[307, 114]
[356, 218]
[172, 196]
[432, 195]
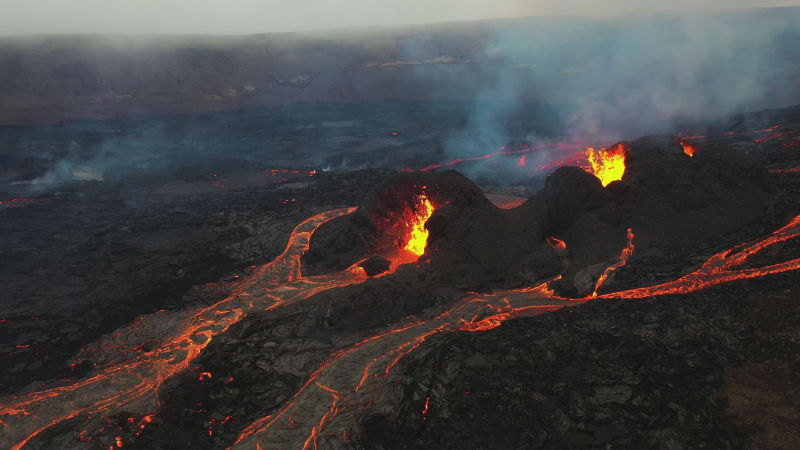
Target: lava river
[351, 381]
[132, 384]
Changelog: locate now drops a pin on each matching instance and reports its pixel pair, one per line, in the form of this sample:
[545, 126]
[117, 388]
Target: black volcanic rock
[569, 193]
[375, 265]
[671, 200]
[665, 197]
[638, 374]
[380, 223]
[471, 240]
[608, 374]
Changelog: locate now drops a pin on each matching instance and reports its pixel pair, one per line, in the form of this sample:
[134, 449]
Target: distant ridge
[53, 78]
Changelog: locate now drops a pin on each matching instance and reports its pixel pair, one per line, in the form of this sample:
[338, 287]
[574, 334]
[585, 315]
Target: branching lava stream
[132, 385]
[352, 380]
[349, 381]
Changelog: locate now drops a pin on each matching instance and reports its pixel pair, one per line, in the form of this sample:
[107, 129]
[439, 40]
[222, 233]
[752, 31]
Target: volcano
[535, 232]
[634, 299]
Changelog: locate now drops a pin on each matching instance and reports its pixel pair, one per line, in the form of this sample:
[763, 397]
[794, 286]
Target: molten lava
[505, 201]
[354, 378]
[723, 267]
[132, 383]
[15, 202]
[688, 148]
[352, 381]
[577, 155]
[556, 243]
[789, 170]
[503, 152]
[419, 235]
[607, 164]
[623, 259]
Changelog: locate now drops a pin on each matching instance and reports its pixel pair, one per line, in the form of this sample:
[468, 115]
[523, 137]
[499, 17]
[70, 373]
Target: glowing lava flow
[790, 170]
[419, 235]
[352, 381]
[578, 154]
[133, 384]
[623, 259]
[607, 164]
[505, 201]
[722, 267]
[730, 133]
[502, 152]
[15, 202]
[556, 243]
[688, 149]
[339, 392]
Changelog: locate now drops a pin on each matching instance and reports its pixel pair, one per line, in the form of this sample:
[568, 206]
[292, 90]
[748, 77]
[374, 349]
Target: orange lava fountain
[607, 164]
[419, 235]
[688, 149]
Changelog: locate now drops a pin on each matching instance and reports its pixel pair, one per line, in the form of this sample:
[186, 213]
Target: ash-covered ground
[711, 368]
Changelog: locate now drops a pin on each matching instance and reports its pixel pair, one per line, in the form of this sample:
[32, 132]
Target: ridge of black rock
[664, 196]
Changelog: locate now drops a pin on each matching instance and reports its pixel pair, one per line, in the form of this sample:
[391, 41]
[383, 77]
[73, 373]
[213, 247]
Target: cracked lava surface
[350, 381]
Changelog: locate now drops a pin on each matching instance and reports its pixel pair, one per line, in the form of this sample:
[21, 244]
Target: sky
[270, 16]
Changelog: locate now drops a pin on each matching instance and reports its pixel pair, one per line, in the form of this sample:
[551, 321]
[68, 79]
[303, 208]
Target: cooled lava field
[632, 294]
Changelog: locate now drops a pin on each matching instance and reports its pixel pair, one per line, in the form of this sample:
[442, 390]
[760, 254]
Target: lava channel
[133, 384]
[351, 381]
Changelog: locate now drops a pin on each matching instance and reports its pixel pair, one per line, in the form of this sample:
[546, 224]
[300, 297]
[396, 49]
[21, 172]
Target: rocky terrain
[84, 262]
[441, 352]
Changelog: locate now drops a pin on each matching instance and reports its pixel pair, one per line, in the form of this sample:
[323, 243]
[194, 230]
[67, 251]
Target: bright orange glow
[576, 149]
[505, 201]
[723, 268]
[134, 381]
[623, 259]
[557, 244]
[688, 148]
[606, 164]
[359, 372]
[419, 235]
[790, 170]
[352, 379]
[10, 203]
[503, 151]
